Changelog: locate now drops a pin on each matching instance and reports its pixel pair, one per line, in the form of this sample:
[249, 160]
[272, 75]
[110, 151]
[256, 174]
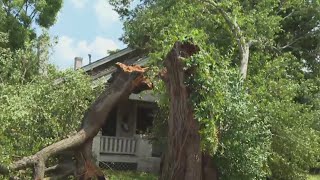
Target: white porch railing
[117, 145]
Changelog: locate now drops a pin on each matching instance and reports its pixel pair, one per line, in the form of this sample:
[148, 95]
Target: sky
[85, 27]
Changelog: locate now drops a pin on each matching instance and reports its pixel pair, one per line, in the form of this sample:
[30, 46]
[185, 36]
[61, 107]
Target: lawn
[314, 177]
[130, 175]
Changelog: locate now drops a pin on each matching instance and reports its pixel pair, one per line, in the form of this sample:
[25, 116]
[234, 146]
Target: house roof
[107, 59]
[104, 67]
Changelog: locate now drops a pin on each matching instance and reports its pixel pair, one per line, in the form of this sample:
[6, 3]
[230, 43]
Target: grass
[133, 175]
[314, 177]
[129, 175]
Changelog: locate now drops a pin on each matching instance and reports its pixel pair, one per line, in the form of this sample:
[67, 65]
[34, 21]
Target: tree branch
[310, 33]
[60, 171]
[20, 9]
[33, 14]
[243, 46]
[289, 15]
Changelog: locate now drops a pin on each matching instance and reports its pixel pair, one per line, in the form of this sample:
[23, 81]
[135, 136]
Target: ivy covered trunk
[184, 157]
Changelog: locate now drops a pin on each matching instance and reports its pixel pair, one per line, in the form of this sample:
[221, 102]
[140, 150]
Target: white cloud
[79, 4]
[67, 49]
[64, 49]
[102, 9]
[105, 13]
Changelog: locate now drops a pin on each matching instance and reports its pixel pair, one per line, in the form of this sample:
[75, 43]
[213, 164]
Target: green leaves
[230, 130]
[283, 97]
[18, 16]
[35, 110]
[267, 125]
[39, 113]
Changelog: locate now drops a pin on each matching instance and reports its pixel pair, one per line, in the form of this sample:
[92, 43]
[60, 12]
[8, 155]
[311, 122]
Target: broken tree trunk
[126, 80]
[183, 159]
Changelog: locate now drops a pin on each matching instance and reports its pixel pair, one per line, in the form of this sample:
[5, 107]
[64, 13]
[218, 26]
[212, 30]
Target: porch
[122, 144]
[125, 153]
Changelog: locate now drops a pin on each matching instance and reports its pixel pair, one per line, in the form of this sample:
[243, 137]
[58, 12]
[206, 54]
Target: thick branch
[39, 168]
[243, 45]
[60, 171]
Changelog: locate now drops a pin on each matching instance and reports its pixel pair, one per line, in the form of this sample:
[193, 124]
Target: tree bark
[209, 170]
[244, 54]
[243, 44]
[124, 81]
[183, 159]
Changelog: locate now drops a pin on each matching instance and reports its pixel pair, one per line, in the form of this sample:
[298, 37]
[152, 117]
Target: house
[122, 143]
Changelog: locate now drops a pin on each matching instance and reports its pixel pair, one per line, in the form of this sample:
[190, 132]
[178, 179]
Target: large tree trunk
[124, 81]
[209, 170]
[183, 159]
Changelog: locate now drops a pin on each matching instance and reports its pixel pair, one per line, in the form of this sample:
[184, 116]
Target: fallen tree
[126, 80]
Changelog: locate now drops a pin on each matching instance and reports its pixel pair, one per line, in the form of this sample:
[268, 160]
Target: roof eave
[107, 59]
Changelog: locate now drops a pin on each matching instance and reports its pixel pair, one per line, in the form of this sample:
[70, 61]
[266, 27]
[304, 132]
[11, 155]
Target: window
[145, 116]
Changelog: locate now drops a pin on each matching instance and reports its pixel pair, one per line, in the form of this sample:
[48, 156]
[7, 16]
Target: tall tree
[275, 44]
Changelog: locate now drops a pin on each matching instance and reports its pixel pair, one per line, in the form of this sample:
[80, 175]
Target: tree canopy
[18, 18]
[264, 122]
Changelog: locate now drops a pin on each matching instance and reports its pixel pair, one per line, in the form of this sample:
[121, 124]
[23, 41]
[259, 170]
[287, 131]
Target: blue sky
[85, 27]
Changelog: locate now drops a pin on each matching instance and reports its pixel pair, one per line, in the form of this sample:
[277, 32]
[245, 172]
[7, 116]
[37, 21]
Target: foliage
[40, 110]
[295, 142]
[18, 16]
[278, 102]
[20, 66]
[39, 104]
[19, 20]
[300, 34]
[230, 128]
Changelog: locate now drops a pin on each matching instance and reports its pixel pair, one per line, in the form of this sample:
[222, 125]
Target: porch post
[143, 146]
[96, 147]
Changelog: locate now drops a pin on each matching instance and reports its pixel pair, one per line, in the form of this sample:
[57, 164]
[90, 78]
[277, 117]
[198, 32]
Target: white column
[143, 146]
[146, 162]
